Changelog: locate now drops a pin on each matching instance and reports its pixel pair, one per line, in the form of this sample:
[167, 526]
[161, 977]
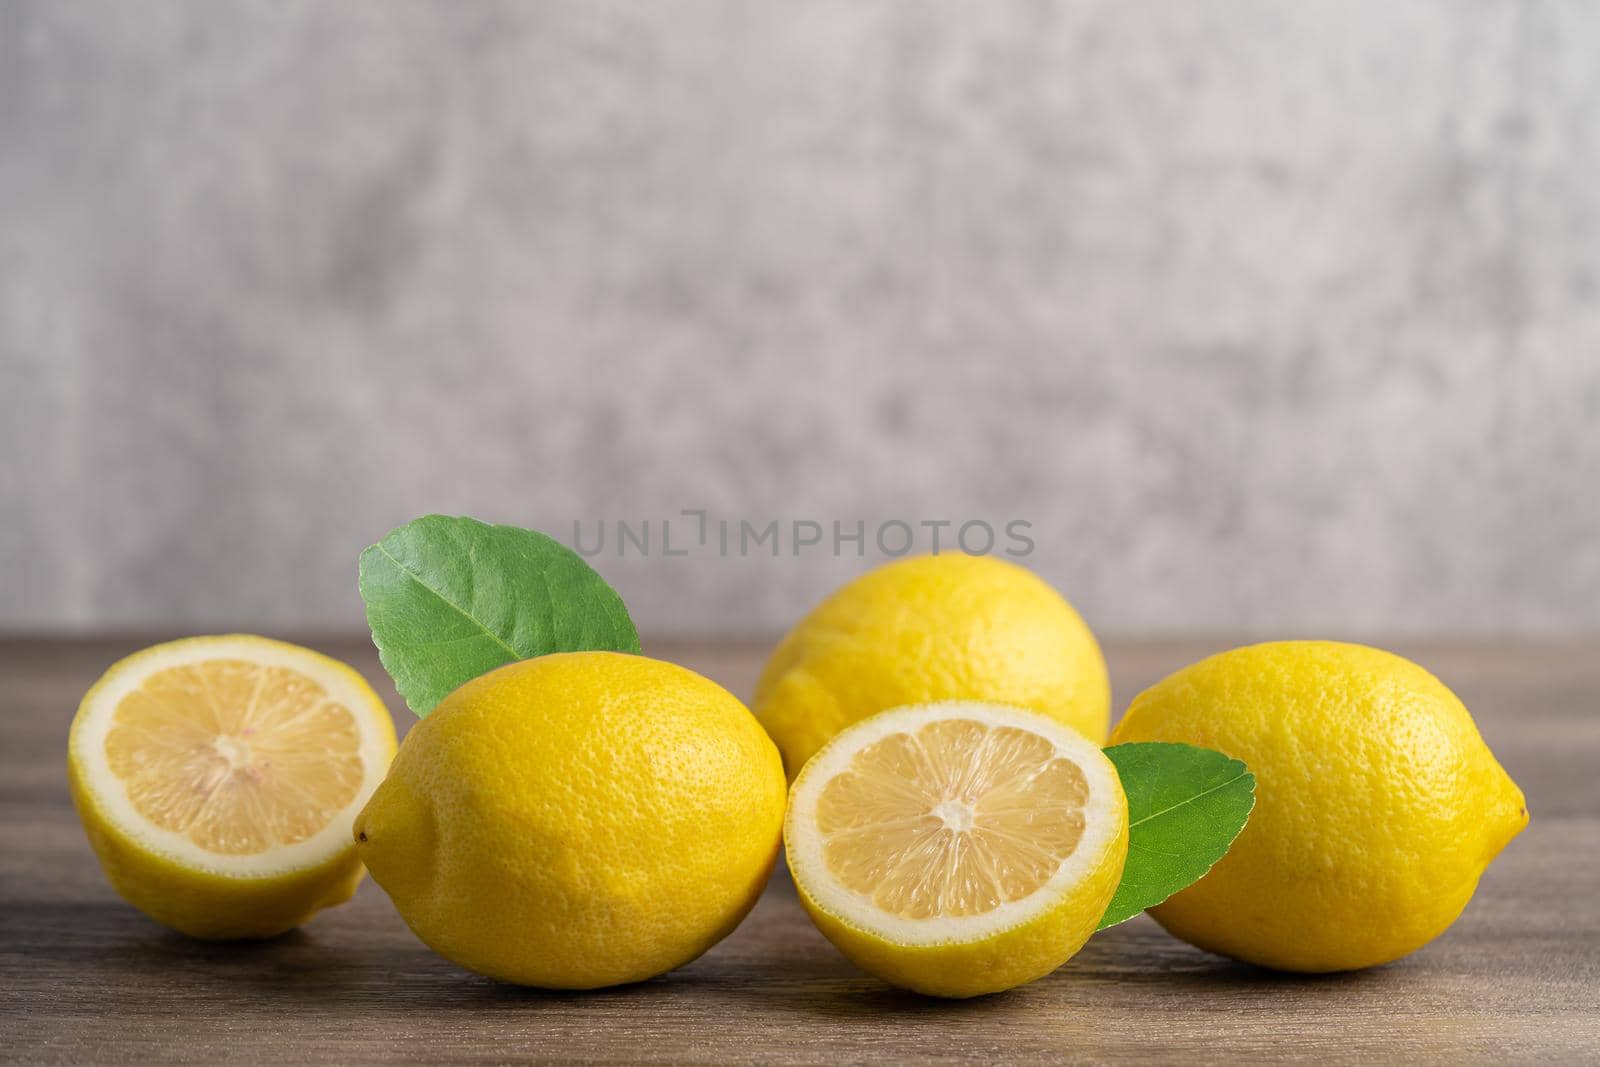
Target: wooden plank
[83, 978]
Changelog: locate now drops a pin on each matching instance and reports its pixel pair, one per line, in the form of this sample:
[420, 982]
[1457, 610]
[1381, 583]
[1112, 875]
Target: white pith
[806, 844]
[111, 795]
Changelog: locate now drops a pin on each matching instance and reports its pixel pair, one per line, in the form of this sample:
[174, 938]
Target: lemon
[577, 820]
[958, 848]
[931, 628]
[217, 778]
[1378, 805]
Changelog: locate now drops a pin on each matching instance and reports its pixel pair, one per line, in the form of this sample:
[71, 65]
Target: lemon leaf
[450, 598]
[1185, 807]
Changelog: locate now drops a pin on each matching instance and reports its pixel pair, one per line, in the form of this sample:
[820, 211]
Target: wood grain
[84, 978]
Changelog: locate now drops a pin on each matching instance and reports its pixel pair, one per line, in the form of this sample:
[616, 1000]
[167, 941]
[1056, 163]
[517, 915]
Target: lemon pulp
[235, 757]
[953, 819]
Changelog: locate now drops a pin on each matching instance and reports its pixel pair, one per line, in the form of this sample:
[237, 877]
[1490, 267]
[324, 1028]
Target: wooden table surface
[85, 978]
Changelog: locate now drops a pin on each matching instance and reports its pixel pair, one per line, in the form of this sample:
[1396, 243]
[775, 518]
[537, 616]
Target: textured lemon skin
[1378, 805]
[1013, 957]
[578, 820]
[205, 904]
[929, 629]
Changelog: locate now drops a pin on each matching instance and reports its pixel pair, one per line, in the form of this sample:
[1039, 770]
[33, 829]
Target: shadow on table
[107, 952]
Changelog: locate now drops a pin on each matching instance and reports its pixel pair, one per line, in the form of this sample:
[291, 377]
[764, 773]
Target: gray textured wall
[1275, 316]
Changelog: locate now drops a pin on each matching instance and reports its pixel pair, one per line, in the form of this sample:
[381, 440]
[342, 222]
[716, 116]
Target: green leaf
[449, 599]
[1185, 807]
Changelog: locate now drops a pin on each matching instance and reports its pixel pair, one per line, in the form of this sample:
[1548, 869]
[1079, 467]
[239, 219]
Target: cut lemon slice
[218, 777]
[957, 848]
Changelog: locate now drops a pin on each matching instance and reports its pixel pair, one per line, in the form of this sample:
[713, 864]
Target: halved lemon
[217, 779]
[957, 848]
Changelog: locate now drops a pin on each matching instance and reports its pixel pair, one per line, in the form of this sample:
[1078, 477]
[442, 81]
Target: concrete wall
[1274, 317]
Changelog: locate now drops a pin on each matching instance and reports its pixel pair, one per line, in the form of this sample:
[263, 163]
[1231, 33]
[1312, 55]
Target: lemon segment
[957, 848]
[217, 779]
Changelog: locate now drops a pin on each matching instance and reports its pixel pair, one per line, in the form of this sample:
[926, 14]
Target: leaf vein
[1187, 800]
[415, 577]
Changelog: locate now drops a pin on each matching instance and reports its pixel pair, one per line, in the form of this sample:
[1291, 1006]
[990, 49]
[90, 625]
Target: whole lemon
[1378, 805]
[928, 629]
[577, 820]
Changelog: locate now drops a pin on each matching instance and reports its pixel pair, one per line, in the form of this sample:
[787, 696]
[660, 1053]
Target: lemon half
[957, 848]
[217, 779]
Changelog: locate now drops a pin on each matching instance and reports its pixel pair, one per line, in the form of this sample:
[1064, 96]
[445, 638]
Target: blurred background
[1267, 319]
